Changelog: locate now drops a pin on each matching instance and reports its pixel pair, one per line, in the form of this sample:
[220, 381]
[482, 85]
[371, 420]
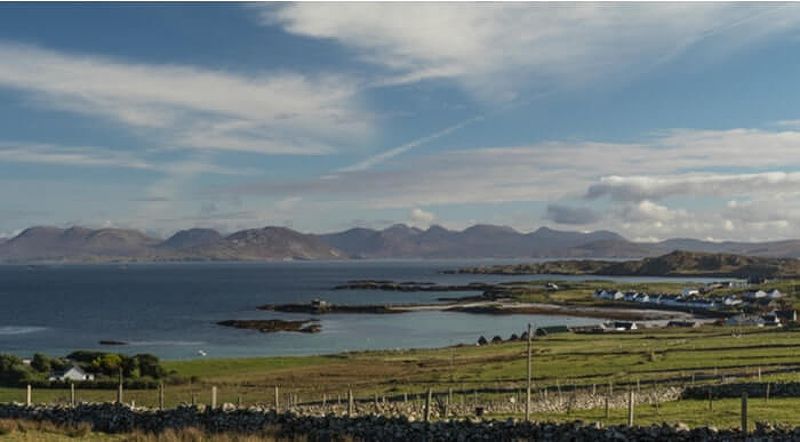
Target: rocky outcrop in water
[274, 325]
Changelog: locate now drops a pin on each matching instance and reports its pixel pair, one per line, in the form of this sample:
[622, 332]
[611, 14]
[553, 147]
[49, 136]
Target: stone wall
[114, 418]
[753, 389]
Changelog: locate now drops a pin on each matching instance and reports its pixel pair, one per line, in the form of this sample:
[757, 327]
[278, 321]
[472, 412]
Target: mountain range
[80, 244]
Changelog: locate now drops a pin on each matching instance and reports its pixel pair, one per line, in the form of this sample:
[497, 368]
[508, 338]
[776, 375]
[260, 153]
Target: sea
[171, 309]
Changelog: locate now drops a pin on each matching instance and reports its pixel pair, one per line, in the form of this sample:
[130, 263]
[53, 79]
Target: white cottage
[73, 373]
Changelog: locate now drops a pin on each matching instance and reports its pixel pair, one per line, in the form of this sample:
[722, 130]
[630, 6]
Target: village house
[620, 326]
[743, 320]
[755, 294]
[319, 305]
[731, 300]
[73, 373]
[690, 292]
[630, 296]
[612, 295]
[772, 320]
[774, 294]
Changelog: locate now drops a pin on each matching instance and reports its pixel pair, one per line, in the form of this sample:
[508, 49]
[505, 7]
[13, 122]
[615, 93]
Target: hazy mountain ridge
[80, 244]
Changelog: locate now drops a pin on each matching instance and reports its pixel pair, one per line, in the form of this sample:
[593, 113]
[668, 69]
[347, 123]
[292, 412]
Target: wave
[7, 330]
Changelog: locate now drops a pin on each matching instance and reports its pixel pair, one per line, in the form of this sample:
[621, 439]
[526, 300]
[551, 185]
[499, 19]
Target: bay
[171, 309]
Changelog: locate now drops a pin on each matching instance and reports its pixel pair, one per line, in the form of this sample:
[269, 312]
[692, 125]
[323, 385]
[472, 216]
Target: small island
[112, 342]
[274, 325]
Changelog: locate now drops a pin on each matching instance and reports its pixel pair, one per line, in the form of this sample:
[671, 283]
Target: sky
[651, 120]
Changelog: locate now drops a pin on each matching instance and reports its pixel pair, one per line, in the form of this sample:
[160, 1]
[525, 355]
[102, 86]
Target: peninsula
[677, 263]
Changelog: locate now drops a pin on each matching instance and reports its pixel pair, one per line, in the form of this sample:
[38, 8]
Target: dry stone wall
[114, 418]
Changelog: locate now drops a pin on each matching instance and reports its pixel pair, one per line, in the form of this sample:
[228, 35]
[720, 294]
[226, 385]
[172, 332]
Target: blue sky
[653, 120]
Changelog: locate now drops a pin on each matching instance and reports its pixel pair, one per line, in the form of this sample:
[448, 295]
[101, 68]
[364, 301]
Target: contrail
[391, 153]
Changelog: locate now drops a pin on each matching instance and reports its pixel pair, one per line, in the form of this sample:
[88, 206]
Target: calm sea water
[171, 309]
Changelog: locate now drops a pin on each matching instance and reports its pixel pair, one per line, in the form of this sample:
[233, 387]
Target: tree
[108, 363]
[149, 365]
[12, 370]
[41, 363]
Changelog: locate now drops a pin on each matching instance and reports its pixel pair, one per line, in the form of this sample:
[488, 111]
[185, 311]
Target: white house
[743, 320]
[643, 297]
[613, 295]
[73, 373]
[731, 300]
[620, 326]
[774, 294]
[758, 294]
[690, 292]
[630, 296]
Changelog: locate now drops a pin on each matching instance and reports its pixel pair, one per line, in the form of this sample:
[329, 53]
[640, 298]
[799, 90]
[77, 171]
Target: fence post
[744, 415]
[608, 413]
[558, 387]
[528, 389]
[161, 395]
[350, 402]
[630, 408]
[710, 400]
[277, 400]
[767, 395]
[428, 406]
[324, 400]
[28, 396]
[72, 393]
[119, 388]
[214, 396]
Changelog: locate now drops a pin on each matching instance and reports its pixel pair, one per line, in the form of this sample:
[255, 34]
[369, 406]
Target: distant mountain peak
[194, 237]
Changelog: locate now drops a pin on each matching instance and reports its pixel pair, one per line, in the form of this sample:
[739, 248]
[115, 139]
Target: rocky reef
[274, 325]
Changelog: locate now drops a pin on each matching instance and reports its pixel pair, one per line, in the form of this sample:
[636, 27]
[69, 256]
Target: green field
[664, 356]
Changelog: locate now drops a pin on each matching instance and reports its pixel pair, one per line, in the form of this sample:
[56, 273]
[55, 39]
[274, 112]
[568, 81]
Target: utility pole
[528, 391]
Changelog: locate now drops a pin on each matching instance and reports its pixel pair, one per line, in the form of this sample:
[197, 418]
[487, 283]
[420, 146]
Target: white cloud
[551, 171]
[90, 156]
[493, 49]
[638, 183]
[643, 188]
[421, 218]
[191, 107]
